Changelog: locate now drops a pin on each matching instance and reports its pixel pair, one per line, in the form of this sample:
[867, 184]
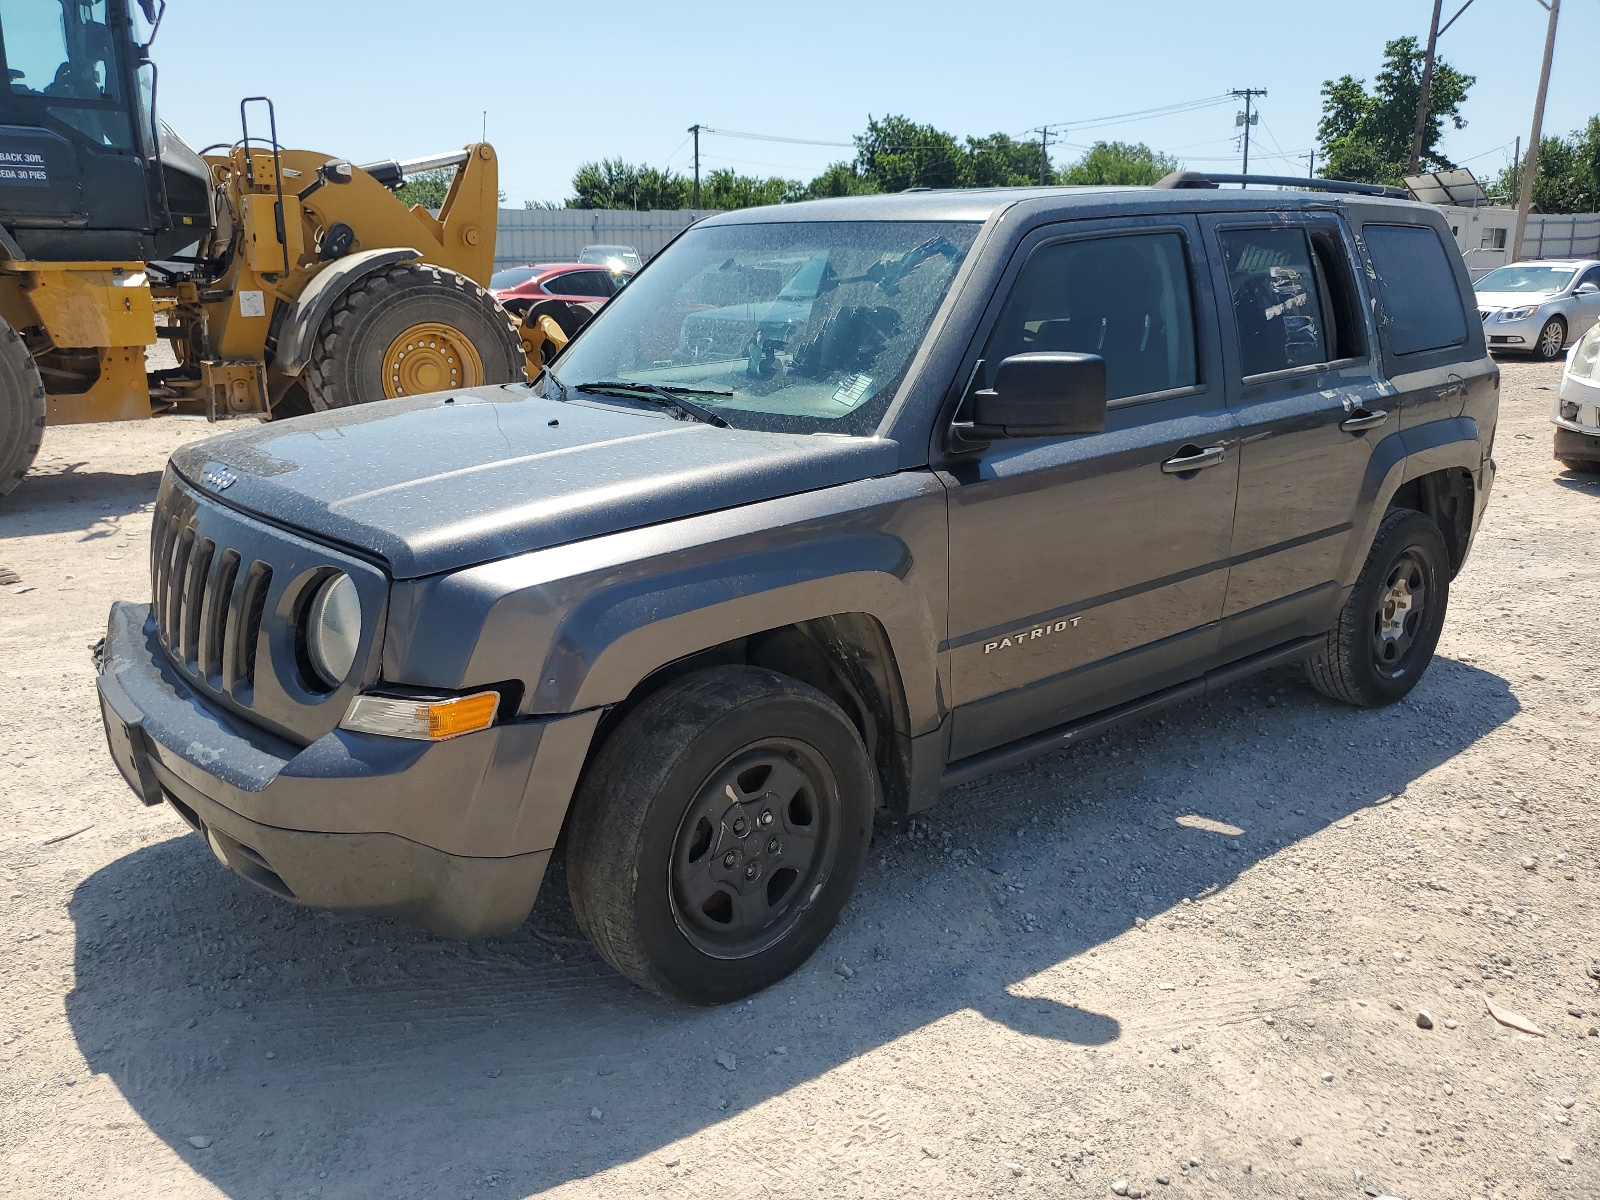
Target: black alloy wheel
[1389, 626]
[718, 832]
[1400, 616]
[761, 834]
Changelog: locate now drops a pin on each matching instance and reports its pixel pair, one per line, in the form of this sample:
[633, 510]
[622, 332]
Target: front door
[1304, 385]
[1087, 571]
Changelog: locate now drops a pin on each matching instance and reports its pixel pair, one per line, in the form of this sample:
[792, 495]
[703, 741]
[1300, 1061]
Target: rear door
[1087, 571]
[1303, 383]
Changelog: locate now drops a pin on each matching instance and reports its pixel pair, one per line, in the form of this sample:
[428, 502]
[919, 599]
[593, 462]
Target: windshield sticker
[853, 390]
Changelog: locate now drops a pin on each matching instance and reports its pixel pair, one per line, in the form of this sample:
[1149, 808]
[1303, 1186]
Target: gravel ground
[1187, 959]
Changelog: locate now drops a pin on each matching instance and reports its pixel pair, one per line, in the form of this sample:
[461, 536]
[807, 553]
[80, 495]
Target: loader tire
[21, 409]
[410, 330]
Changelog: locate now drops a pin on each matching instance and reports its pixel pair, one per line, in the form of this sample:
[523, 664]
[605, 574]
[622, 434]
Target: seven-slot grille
[207, 601]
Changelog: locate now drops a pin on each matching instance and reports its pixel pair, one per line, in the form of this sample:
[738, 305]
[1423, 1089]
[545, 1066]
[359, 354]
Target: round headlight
[333, 629]
[1581, 363]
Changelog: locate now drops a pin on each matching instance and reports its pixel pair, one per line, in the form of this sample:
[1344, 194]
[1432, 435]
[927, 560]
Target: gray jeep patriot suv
[838, 504]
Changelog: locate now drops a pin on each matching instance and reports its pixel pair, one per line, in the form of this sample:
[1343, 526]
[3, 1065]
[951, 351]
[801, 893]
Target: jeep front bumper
[452, 835]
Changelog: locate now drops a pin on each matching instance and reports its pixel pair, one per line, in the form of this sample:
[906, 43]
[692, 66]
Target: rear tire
[718, 833]
[471, 340]
[22, 409]
[1386, 632]
[1552, 340]
[1581, 466]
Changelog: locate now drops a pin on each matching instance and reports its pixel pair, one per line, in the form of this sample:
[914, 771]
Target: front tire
[1581, 466]
[1552, 340]
[1388, 629]
[22, 409]
[718, 833]
[410, 330]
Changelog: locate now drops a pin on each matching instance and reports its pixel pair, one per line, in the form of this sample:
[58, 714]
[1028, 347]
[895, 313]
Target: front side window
[795, 326]
[1277, 303]
[62, 52]
[1126, 299]
[1419, 287]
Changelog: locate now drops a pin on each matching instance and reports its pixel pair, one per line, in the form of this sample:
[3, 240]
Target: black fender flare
[1401, 457]
[290, 352]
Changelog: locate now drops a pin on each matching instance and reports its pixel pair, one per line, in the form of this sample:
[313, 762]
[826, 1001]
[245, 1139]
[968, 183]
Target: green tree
[1120, 163]
[896, 153]
[1569, 174]
[1000, 160]
[613, 183]
[840, 179]
[727, 189]
[1366, 136]
[427, 188]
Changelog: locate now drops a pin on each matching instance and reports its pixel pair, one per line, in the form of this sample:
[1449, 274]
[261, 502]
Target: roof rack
[1197, 179]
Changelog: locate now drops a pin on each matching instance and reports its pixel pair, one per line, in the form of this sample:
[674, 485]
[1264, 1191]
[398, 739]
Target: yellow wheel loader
[284, 280]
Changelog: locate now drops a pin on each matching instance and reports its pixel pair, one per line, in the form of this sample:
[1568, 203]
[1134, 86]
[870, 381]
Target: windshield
[1543, 280]
[613, 256]
[511, 277]
[801, 327]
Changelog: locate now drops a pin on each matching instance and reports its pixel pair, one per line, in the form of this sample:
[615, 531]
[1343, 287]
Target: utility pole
[695, 129]
[1516, 168]
[1044, 155]
[1530, 170]
[1414, 163]
[1247, 119]
[1311, 163]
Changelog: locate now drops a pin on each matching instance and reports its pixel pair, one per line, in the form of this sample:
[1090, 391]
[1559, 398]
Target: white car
[1539, 306]
[1577, 409]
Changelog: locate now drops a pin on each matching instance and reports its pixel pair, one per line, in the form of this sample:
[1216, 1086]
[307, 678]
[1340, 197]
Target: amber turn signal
[424, 720]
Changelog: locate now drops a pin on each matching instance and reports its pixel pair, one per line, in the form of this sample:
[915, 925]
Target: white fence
[534, 235]
[1574, 235]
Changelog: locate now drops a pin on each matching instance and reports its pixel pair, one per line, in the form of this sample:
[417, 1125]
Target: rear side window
[1277, 300]
[1419, 288]
[1126, 299]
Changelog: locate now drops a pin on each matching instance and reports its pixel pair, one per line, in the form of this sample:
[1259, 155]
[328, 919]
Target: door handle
[1362, 419]
[1192, 458]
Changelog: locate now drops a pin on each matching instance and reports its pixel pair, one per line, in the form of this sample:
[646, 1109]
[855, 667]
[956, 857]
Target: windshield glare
[800, 327]
[1543, 280]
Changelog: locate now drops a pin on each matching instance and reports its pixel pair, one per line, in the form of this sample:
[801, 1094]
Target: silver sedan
[1538, 307]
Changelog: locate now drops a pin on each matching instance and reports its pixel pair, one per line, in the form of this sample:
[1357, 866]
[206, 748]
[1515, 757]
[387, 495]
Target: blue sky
[564, 83]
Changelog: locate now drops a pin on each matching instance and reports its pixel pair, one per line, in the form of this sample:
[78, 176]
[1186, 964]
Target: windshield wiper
[661, 396]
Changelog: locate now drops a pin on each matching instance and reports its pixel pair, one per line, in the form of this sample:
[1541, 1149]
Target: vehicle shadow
[308, 1053]
[59, 500]
[1579, 481]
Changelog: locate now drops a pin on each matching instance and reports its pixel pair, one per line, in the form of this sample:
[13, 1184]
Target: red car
[570, 293]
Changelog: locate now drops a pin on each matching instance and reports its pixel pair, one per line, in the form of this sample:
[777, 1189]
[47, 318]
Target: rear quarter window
[1419, 288]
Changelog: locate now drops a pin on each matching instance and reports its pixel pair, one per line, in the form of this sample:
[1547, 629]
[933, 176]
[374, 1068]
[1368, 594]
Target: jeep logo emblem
[219, 478]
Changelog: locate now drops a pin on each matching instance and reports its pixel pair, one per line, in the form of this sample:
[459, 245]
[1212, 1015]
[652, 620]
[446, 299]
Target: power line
[768, 137]
[1145, 114]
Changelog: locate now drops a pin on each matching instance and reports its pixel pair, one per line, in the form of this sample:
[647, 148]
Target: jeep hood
[438, 482]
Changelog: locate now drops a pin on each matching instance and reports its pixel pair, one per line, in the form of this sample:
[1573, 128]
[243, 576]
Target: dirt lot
[1186, 960]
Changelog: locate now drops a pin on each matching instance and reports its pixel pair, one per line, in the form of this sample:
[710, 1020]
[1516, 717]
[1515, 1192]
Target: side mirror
[1587, 289]
[1041, 395]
